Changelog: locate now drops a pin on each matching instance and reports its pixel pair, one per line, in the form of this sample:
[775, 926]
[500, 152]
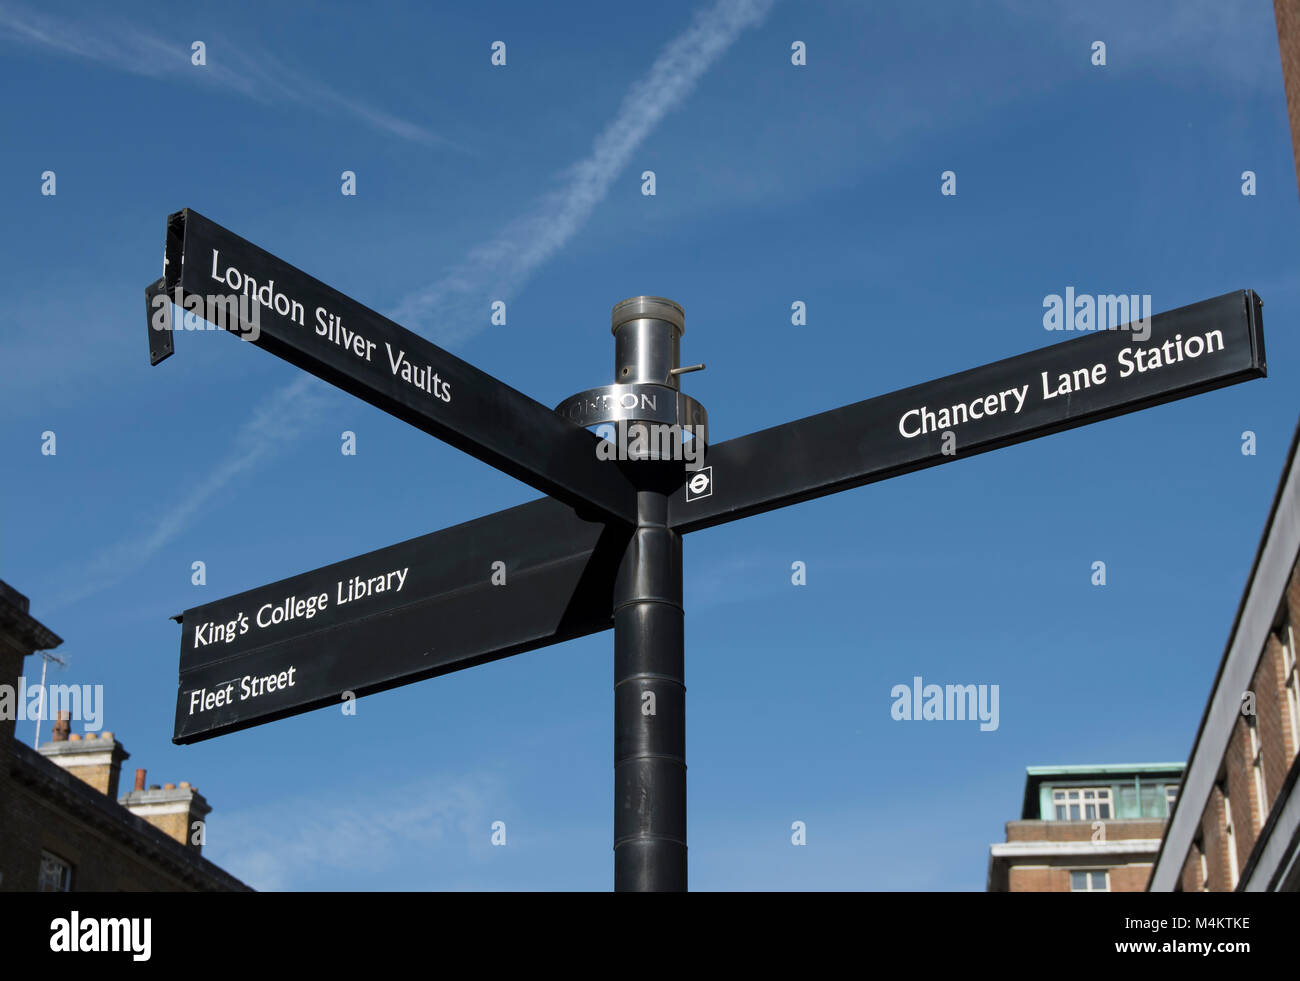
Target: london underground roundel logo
[700, 484]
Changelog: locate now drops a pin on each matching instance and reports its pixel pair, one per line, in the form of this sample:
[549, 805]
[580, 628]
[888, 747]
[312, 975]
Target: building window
[1082, 804]
[56, 874]
[1230, 844]
[1089, 880]
[1257, 768]
[1287, 638]
[1171, 798]
[1199, 845]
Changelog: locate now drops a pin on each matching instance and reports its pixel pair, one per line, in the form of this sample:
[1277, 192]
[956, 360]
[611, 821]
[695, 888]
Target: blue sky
[775, 183]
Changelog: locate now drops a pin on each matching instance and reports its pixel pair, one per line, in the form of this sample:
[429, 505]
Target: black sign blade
[1193, 349]
[315, 327]
[424, 607]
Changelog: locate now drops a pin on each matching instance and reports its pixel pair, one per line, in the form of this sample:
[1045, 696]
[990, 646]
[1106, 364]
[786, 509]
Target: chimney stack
[96, 761]
[179, 812]
[62, 727]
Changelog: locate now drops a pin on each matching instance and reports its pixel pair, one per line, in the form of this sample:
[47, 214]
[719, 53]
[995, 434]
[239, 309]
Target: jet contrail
[252, 72]
[496, 268]
[279, 419]
[459, 302]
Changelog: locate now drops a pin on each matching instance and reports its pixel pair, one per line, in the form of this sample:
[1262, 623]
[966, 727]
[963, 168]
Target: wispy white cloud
[277, 421]
[249, 70]
[496, 269]
[297, 843]
[1225, 43]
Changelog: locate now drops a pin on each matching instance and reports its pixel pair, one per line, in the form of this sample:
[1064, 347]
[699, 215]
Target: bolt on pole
[649, 661]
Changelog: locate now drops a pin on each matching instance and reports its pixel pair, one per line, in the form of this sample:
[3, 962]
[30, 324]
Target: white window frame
[1230, 841]
[1088, 874]
[1083, 798]
[1257, 770]
[55, 873]
[1291, 683]
[1171, 797]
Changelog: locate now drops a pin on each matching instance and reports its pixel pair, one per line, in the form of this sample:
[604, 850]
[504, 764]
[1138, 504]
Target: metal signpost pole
[649, 681]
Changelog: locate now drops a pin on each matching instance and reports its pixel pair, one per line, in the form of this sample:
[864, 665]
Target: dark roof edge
[30, 632]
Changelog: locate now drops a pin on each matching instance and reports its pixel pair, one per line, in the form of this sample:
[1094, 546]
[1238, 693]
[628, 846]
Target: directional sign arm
[1193, 349]
[424, 607]
[317, 328]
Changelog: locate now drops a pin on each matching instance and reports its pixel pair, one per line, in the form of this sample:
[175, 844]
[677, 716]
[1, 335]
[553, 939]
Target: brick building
[1085, 829]
[1237, 824]
[63, 826]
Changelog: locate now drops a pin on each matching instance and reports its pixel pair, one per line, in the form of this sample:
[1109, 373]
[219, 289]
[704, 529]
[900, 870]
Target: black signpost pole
[650, 707]
[649, 658]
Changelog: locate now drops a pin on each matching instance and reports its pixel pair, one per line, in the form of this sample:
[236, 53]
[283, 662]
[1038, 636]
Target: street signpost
[605, 548]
